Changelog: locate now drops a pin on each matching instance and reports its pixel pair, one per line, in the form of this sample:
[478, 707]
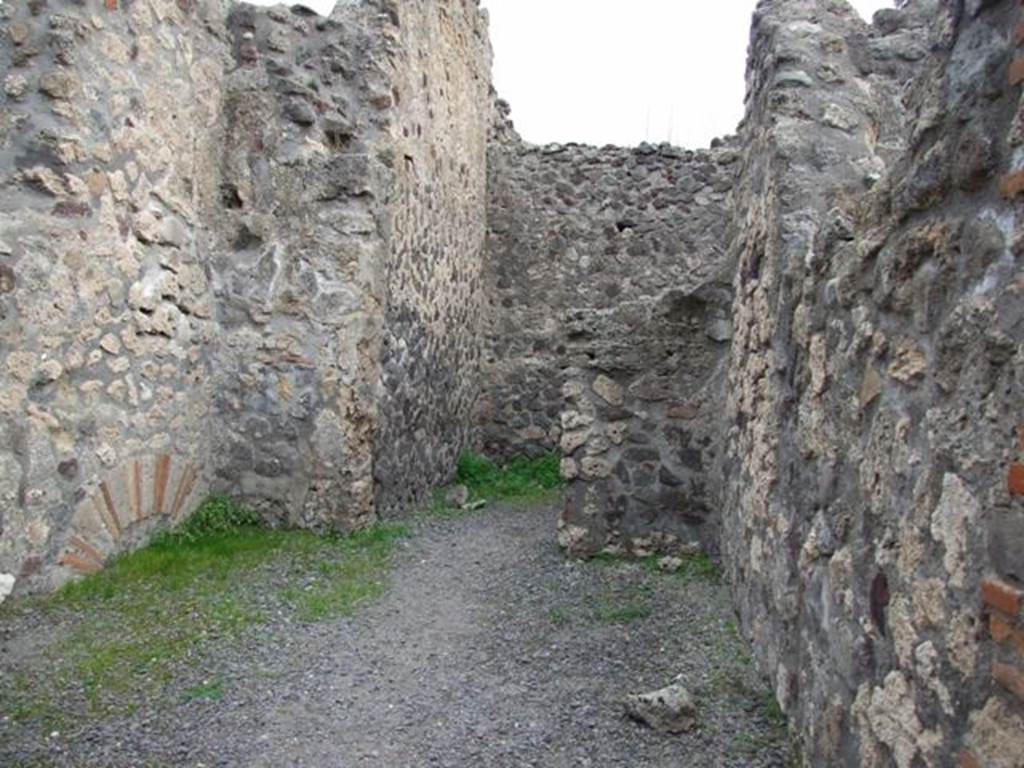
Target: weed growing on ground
[697, 567]
[212, 690]
[622, 612]
[143, 620]
[522, 479]
[559, 616]
[354, 577]
[732, 679]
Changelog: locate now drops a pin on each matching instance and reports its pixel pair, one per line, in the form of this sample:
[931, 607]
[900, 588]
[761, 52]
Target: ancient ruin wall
[105, 303]
[573, 231]
[608, 277]
[299, 215]
[354, 182]
[440, 113]
[642, 425]
[875, 386]
[216, 241]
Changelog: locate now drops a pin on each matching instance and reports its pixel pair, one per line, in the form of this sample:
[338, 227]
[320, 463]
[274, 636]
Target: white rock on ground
[6, 585]
[668, 710]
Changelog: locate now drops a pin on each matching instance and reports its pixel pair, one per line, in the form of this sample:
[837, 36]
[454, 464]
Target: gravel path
[490, 649]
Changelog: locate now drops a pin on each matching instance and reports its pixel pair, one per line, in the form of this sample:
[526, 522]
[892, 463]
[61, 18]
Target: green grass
[624, 606]
[522, 479]
[774, 734]
[559, 616]
[622, 612]
[696, 567]
[212, 690]
[144, 621]
[345, 583]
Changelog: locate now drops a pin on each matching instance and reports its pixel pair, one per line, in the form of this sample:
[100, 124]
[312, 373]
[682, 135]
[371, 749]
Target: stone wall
[105, 303]
[579, 229]
[241, 255]
[642, 424]
[875, 384]
[440, 113]
[299, 213]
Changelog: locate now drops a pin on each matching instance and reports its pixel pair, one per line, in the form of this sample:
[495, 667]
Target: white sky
[620, 71]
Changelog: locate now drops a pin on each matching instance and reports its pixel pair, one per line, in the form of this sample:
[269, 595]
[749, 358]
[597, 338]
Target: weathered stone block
[1015, 479]
[1002, 596]
[60, 84]
[1012, 185]
[593, 467]
[1016, 73]
[1010, 677]
[609, 390]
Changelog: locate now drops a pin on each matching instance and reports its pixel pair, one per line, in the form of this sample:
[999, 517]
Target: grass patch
[342, 584]
[734, 682]
[208, 691]
[560, 617]
[696, 567]
[625, 607]
[622, 613]
[141, 625]
[699, 567]
[773, 735]
[523, 478]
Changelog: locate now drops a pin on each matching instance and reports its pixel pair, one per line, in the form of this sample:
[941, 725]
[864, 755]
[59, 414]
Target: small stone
[49, 370]
[68, 469]
[106, 454]
[96, 182]
[456, 497]
[15, 86]
[839, 118]
[7, 279]
[670, 564]
[616, 431]
[300, 113]
[572, 390]
[909, 366]
[683, 412]
[595, 468]
[609, 391]
[792, 78]
[571, 537]
[58, 84]
[572, 440]
[110, 343]
[18, 33]
[719, 330]
[6, 585]
[575, 420]
[668, 710]
[570, 469]
[870, 388]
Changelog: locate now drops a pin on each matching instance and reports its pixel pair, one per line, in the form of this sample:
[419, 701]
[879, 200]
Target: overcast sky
[621, 71]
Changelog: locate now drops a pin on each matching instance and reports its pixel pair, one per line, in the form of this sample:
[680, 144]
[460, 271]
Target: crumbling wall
[105, 303]
[642, 433]
[245, 251]
[349, 272]
[876, 379]
[240, 254]
[300, 214]
[608, 275]
[439, 94]
[573, 229]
